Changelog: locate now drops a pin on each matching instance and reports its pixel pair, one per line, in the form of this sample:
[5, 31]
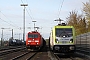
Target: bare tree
[77, 21]
[86, 9]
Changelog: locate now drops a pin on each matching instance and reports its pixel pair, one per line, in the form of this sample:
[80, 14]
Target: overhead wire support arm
[34, 24]
[60, 8]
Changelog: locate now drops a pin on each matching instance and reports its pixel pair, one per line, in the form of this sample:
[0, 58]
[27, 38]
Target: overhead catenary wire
[29, 14]
[21, 1]
[60, 8]
[27, 9]
[30, 11]
[9, 23]
[14, 25]
[5, 21]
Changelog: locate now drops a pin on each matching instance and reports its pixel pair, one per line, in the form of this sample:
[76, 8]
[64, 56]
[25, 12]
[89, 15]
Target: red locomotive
[34, 40]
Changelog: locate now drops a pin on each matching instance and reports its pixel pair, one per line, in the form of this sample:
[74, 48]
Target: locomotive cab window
[33, 35]
[67, 32]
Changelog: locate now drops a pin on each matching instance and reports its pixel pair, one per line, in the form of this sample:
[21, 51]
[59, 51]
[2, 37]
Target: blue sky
[42, 11]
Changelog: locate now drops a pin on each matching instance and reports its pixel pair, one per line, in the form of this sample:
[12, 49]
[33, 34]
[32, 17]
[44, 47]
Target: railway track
[9, 47]
[44, 54]
[65, 57]
[4, 52]
[33, 55]
[25, 56]
[11, 55]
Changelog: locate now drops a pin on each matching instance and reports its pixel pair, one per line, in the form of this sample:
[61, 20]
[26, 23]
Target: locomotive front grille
[62, 48]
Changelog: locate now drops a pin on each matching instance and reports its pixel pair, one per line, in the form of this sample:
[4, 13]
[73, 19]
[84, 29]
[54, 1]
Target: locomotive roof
[63, 26]
[34, 32]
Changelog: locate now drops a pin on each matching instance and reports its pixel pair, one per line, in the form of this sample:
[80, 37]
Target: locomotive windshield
[32, 35]
[64, 32]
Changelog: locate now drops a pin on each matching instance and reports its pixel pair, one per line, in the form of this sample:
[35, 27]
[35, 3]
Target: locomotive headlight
[57, 47]
[56, 40]
[29, 40]
[71, 40]
[36, 41]
[71, 47]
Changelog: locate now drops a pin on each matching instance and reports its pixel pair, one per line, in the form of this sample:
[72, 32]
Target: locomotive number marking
[64, 41]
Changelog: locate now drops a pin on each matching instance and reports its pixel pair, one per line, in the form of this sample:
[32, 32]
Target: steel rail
[25, 54]
[32, 56]
[10, 51]
[19, 56]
